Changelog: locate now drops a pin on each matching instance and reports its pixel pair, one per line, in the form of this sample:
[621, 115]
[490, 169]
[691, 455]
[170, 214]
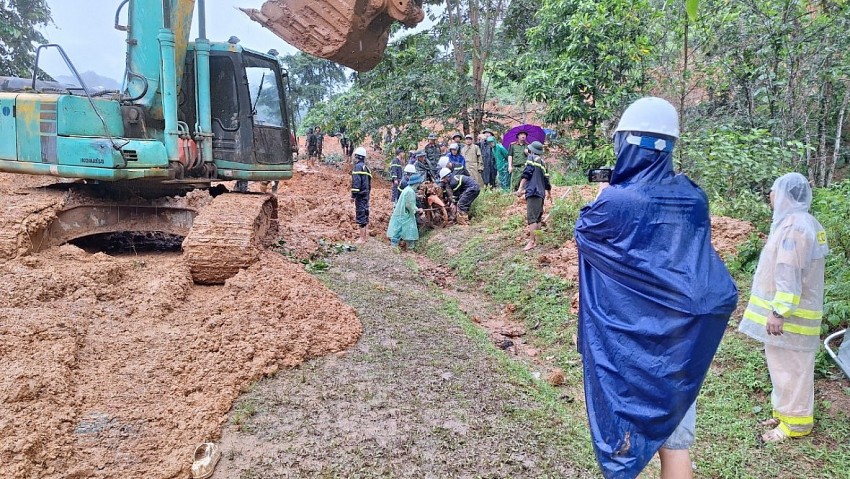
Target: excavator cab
[250, 118]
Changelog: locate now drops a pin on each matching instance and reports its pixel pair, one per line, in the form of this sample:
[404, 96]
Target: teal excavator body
[188, 113]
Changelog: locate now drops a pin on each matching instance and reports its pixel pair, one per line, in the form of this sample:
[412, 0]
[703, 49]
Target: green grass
[735, 395]
[555, 405]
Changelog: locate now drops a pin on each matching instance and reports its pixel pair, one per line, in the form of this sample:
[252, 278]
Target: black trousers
[361, 210]
[394, 193]
[466, 199]
[489, 174]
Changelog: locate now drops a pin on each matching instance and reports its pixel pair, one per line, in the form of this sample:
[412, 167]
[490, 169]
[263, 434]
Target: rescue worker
[396, 173]
[361, 186]
[423, 166]
[457, 160]
[474, 163]
[488, 176]
[536, 187]
[320, 142]
[312, 147]
[786, 306]
[654, 300]
[403, 220]
[409, 170]
[432, 152]
[500, 158]
[516, 158]
[464, 189]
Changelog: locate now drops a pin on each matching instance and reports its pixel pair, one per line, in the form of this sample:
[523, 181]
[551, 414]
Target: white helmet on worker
[443, 161]
[445, 172]
[361, 152]
[650, 115]
[454, 146]
[410, 169]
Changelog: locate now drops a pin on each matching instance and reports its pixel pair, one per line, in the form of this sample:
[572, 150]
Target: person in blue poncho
[654, 300]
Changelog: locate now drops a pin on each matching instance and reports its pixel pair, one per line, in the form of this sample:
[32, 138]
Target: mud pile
[118, 366]
[727, 234]
[315, 205]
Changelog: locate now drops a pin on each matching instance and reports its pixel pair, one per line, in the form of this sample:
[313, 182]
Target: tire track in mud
[416, 397]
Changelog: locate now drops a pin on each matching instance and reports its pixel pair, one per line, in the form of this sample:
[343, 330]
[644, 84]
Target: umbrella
[534, 132]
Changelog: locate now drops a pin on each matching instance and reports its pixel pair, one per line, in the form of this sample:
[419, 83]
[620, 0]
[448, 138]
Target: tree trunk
[684, 92]
[836, 150]
[478, 56]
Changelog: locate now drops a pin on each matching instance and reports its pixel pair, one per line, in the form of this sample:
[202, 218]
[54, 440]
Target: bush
[562, 220]
[831, 206]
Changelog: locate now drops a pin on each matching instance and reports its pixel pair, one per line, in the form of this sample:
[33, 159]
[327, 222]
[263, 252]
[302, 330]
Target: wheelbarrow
[842, 357]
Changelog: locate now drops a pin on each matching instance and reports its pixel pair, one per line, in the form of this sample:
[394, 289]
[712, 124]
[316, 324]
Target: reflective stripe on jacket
[789, 279]
[361, 180]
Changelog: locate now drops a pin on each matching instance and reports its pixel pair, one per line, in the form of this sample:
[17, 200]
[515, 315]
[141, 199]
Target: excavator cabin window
[263, 86]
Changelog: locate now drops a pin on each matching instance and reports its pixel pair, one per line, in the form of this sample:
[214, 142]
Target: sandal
[204, 459]
[772, 422]
[773, 436]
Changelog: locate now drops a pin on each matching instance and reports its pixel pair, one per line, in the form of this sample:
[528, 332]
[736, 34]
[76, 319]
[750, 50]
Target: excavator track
[229, 234]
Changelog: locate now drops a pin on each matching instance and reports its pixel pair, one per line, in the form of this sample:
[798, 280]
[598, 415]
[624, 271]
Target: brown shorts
[534, 206]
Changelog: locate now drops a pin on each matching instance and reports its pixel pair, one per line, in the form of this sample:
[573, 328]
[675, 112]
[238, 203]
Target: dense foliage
[19, 35]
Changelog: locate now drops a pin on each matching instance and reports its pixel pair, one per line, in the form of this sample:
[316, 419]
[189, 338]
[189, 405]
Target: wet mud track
[415, 397]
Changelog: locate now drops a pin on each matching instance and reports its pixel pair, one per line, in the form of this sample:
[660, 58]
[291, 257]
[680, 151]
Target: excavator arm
[353, 33]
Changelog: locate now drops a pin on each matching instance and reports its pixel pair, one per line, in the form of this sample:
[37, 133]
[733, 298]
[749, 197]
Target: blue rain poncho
[403, 221]
[654, 301]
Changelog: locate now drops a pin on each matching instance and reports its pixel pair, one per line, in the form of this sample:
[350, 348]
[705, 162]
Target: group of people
[655, 298]
[461, 171]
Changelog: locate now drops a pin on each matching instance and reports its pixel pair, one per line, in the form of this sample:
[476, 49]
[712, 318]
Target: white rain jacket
[789, 277]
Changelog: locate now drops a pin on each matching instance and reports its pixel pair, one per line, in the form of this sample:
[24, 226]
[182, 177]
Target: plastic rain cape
[654, 301]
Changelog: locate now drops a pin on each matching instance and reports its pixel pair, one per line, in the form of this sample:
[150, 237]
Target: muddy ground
[416, 397]
[118, 364]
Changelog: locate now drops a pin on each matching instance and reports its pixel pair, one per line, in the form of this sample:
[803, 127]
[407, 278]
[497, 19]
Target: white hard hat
[443, 161]
[360, 151]
[650, 115]
[454, 146]
[444, 172]
[410, 169]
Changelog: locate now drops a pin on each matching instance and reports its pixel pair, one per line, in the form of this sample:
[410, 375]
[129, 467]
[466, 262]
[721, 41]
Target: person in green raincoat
[500, 154]
[403, 221]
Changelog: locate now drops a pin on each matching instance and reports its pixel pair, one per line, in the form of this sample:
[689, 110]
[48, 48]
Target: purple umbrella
[534, 132]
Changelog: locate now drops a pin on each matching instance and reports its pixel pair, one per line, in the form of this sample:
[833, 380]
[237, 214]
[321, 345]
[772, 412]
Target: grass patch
[735, 395]
[556, 407]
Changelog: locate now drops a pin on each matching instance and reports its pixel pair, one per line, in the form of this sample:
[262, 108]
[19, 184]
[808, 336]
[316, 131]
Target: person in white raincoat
[403, 221]
[786, 306]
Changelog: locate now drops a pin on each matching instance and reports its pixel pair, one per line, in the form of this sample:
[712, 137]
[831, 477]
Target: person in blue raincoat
[403, 220]
[654, 300]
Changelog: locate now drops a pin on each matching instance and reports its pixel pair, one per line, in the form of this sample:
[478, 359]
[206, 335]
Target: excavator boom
[353, 33]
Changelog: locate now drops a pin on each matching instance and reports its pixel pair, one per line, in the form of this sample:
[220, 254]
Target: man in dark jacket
[534, 184]
[361, 186]
[432, 153]
[489, 173]
[464, 189]
[423, 166]
[395, 173]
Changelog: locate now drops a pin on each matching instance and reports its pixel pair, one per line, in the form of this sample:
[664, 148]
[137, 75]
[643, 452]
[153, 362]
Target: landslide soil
[118, 365]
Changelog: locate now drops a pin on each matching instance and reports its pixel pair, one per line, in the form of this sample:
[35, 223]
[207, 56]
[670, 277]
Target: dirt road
[416, 397]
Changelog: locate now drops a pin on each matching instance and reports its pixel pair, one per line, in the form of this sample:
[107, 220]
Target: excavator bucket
[353, 33]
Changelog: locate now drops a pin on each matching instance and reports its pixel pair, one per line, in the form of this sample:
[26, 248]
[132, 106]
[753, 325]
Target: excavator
[189, 116]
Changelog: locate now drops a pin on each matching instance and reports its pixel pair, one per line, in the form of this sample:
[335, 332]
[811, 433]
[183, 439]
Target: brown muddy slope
[118, 366]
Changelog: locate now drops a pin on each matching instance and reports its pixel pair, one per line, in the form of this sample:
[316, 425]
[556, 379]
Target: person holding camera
[654, 300]
[535, 185]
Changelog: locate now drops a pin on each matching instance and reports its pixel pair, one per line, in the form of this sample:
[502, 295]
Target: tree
[19, 20]
[586, 60]
[312, 80]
